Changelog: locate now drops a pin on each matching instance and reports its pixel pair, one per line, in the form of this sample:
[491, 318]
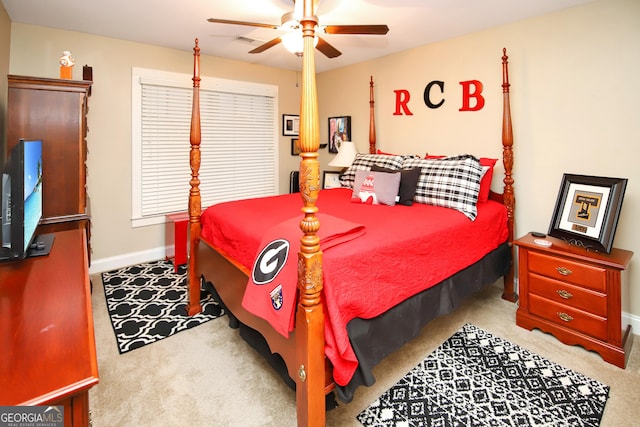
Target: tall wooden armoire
[54, 111]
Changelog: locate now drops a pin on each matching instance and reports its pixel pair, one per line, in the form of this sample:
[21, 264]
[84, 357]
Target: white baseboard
[632, 320]
[113, 263]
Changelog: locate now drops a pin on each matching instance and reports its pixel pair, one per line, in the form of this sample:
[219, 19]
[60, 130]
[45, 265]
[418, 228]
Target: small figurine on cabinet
[66, 65]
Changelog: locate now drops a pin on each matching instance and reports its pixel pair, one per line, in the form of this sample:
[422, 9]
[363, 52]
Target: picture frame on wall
[290, 125]
[295, 146]
[339, 130]
[331, 179]
[587, 210]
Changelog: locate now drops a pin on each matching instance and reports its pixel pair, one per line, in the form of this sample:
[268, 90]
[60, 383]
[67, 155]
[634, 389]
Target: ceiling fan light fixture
[294, 42]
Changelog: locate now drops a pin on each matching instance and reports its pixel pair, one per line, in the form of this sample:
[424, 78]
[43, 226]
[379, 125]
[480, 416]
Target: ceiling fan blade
[356, 29]
[328, 50]
[250, 24]
[266, 45]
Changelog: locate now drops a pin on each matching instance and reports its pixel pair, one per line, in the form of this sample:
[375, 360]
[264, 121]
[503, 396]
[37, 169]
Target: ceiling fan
[292, 39]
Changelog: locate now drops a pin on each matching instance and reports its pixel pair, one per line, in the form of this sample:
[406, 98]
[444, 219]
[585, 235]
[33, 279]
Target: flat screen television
[21, 209]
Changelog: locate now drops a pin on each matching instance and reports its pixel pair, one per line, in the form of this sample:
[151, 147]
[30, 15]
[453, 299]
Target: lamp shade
[346, 153]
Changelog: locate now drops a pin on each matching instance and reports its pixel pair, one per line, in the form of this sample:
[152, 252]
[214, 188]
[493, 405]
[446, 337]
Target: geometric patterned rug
[147, 302]
[477, 379]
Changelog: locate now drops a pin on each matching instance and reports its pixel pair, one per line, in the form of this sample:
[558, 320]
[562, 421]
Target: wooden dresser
[48, 346]
[54, 111]
[575, 294]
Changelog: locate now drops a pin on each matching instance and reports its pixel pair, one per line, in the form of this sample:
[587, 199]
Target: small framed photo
[331, 179]
[290, 125]
[295, 146]
[587, 210]
[339, 130]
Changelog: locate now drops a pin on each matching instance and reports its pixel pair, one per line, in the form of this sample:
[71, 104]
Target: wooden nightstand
[574, 294]
[175, 247]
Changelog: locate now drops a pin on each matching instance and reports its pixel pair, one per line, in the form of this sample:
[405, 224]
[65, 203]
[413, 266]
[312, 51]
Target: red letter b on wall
[467, 94]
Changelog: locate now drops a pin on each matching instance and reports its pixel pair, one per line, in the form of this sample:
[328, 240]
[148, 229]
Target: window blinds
[238, 147]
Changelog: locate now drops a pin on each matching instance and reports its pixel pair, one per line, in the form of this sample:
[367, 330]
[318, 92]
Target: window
[239, 147]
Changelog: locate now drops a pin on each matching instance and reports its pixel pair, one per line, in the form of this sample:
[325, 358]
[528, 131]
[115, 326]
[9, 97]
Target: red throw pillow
[485, 181]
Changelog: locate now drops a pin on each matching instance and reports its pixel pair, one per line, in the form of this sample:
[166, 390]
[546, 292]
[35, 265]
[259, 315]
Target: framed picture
[339, 130]
[331, 179]
[587, 210]
[290, 125]
[295, 146]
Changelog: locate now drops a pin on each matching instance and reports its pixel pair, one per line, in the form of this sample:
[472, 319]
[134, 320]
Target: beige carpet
[208, 376]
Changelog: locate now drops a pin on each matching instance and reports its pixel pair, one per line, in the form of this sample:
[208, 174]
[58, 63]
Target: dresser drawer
[569, 317]
[567, 294]
[565, 270]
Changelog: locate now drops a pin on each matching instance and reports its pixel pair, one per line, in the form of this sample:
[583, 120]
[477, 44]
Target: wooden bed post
[310, 381]
[194, 306]
[372, 123]
[507, 159]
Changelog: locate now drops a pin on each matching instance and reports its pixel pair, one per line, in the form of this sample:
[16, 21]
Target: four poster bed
[367, 277]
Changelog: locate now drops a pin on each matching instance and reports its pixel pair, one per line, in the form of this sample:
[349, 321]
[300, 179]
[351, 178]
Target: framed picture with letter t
[587, 210]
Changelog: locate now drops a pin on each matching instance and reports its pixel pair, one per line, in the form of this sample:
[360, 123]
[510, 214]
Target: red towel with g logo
[272, 287]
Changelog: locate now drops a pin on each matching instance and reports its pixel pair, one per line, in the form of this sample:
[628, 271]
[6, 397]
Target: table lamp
[346, 154]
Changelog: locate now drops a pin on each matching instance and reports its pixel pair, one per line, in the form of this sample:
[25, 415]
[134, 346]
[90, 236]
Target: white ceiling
[175, 24]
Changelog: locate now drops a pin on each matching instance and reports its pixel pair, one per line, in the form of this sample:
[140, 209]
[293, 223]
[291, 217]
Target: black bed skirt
[374, 339]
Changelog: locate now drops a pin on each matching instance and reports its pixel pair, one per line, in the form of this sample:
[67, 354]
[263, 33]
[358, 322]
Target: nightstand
[176, 227]
[575, 294]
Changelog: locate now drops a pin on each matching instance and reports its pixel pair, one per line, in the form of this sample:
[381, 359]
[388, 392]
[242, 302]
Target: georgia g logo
[270, 261]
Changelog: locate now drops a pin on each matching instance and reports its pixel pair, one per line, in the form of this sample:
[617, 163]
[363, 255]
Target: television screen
[32, 160]
[21, 209]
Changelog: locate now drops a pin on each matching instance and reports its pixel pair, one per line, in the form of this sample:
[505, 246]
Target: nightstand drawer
[569, 317]
[565, 270]
[567, 294]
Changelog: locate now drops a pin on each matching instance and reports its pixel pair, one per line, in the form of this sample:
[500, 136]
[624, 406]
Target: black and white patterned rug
[147, 302]
[477, 379]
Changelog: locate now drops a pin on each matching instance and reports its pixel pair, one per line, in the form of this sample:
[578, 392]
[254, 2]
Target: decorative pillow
[379, 187]
[452, 182]
[365, 161]
[408, 183]
[487, 175]
[485, 181]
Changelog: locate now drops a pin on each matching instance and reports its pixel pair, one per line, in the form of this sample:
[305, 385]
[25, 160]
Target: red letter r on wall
[402, 98]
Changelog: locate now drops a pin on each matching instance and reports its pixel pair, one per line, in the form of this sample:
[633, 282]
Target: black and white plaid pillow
[451, 182]
[365, 161]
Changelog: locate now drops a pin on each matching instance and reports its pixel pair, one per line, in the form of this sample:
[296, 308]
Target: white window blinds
[238, 148]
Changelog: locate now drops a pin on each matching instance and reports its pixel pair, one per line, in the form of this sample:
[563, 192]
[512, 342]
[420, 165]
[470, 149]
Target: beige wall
[35, 51]
[574, 100]
[574, 90]
[5, 44]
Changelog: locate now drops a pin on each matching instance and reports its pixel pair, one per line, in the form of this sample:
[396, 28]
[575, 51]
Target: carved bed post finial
[193, 305]
[507, 158]
[372, 126]
[310, 394]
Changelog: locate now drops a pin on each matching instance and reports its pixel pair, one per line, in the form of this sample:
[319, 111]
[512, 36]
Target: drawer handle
[564, 271]
[564, 294]
[565, 317]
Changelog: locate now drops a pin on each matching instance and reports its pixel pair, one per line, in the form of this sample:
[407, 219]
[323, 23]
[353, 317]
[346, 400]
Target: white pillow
[381, 186]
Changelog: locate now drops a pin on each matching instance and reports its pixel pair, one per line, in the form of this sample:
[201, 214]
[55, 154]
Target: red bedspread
[405, 250]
